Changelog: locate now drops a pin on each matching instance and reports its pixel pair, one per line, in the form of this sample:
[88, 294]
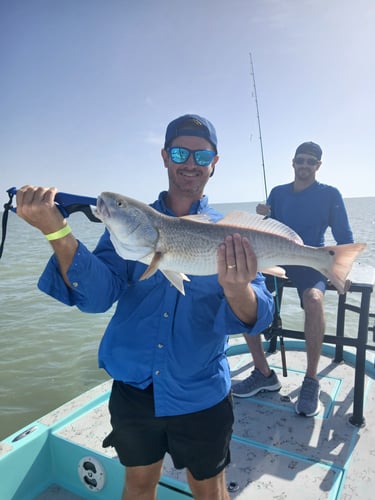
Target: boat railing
[362, 282]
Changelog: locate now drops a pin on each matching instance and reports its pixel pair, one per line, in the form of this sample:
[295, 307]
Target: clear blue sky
[88, 87]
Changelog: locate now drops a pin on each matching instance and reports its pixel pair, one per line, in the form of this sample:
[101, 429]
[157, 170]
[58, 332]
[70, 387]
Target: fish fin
[342, 258]
[257, 222]
[277, 271]
[153, 267]
[177, 279]
[205, 218]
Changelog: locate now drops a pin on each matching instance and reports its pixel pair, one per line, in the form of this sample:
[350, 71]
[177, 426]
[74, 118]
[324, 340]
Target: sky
[89, 86]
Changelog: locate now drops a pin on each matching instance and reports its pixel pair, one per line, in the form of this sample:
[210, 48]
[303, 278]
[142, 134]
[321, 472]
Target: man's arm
[339, 222]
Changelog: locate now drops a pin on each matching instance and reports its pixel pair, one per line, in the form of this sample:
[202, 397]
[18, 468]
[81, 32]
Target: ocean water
[48, 351]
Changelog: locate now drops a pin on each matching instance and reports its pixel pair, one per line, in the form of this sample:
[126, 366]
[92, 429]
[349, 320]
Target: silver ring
[233, 266]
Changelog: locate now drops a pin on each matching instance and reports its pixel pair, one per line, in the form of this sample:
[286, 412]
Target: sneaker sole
[271, 388]
[308, 414]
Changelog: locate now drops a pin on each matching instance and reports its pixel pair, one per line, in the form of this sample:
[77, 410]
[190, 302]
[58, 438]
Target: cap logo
[197, 122]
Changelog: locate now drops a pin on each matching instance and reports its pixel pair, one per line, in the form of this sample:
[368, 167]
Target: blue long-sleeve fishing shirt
[157, 335]
[311, 211]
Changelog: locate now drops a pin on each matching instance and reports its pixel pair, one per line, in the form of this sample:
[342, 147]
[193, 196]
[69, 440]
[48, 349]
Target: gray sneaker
[308, 403]
[255, 383]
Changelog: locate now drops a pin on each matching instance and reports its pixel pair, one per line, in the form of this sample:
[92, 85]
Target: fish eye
[121, 203]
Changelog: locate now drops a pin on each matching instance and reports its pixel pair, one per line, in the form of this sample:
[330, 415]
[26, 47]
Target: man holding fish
[309, 208]
[165, 345]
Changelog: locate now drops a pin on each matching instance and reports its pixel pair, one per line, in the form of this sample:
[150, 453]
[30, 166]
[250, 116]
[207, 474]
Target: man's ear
[164, 155]
[215, 160]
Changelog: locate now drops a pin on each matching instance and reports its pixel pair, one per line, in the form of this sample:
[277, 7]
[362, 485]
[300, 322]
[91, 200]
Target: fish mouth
[101, 210]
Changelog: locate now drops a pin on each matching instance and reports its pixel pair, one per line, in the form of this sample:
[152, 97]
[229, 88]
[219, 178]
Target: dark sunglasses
[202, 157]
[301, 161]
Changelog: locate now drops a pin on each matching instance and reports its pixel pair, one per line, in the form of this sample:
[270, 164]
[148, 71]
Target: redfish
[181, 246]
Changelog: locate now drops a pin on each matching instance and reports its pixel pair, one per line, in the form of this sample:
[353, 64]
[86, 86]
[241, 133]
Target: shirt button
[166, 315]
[157, 372]
[75, 284]
[160, 346]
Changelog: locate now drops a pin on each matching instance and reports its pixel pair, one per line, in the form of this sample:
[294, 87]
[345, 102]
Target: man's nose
[190, 162]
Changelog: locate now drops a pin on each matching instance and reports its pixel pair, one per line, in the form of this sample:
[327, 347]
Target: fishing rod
[259, 127]
[67, 204]
[276, 327]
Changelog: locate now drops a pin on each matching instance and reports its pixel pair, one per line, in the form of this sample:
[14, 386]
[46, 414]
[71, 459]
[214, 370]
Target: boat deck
[275, 452]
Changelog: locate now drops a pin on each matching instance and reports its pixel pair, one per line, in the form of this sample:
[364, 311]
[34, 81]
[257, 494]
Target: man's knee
[209, 489]
[141, 481]
[313, 300]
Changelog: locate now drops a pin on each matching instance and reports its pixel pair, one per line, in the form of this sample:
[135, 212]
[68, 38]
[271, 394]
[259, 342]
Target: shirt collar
[196, 207]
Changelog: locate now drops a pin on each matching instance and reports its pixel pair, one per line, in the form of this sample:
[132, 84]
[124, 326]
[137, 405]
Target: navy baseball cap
[193, 125]
[310, 148]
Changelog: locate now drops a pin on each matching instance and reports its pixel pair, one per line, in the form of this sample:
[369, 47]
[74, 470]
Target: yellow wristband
[59, 234]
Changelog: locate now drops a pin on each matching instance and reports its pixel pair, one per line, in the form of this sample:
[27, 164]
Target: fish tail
[342, 258]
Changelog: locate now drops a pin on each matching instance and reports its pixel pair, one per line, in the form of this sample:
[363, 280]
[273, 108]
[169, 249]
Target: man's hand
[237, 263]
[263, 209]
[237, 267]
[36, 206]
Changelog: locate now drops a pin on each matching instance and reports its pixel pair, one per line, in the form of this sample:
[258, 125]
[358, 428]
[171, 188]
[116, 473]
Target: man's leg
[262, 377]
[139, 439]
[199, 443]
[314, 328]
[141, 481]
[308, 403]
[311, 286]
[254, 343]
[214, 488]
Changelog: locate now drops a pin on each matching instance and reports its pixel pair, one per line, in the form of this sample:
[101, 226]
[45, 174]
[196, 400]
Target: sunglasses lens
[179, 155]
[204, 157]
[309, 161]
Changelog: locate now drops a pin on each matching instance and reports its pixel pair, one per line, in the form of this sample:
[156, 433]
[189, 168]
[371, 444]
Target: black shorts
[198, 441]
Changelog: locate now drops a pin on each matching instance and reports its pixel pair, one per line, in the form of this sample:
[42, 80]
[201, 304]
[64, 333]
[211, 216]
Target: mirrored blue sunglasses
[202, 157]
